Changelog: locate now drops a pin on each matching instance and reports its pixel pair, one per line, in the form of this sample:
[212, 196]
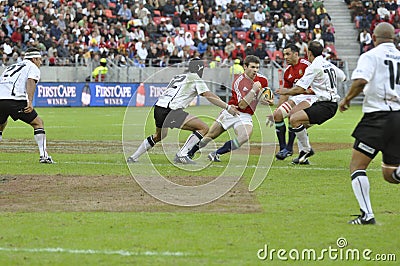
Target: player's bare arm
[356, 88]
[30, 90]
[296, 90]
[214, 99]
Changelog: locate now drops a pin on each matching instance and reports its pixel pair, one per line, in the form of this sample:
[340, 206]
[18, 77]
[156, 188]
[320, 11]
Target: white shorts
[227, 120]
[310, 98]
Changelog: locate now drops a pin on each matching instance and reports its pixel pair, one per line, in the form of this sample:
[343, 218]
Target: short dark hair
[196, 66]
[251, 59]
[292, 47]
[315, 48]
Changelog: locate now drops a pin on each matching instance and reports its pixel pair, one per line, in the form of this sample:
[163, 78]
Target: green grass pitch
[301, 207]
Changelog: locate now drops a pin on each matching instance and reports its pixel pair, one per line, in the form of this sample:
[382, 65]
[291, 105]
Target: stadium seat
[112, 5]
[184, 26]
[277, 56]
[241, 35]
[109, 14]
[193, 27]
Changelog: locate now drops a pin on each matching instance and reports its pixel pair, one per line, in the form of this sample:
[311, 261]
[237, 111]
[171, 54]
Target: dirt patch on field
[110, 193]
[104, 193]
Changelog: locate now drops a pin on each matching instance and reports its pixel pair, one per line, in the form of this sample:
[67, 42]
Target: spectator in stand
[196, 14]
[290, 28]
[382, 11]
[124, 13]
[216, 20]
[229, 47]
[249, 49]
[276, 9]
[180, 40]
[303, 47]
[261, 52]
[152, 31]
[321, 12]
[224, 29]
[259, 16]
[201, 32]
[142, 51]
[189, 41]
[202, 47]
[328, 36]
[302, 23]
[176, 20]
[283, 40]
[238, 52]
[168, 9]
[251, 35]
[162, 28]
[263, 34]
[270, 44]
[365, 41]
[186, 16]
[246, 22]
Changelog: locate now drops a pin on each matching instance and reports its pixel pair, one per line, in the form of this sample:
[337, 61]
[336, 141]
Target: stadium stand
[76, 32]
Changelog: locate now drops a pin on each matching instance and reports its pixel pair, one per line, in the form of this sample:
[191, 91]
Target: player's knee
[203, 130]
[294, 122]
[37, 123]
[282, 112]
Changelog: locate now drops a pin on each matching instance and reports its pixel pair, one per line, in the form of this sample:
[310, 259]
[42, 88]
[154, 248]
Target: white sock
[192, 140]
[40, 137]
[302, 138]
[146, 145]
[1, 135]
[360, 186]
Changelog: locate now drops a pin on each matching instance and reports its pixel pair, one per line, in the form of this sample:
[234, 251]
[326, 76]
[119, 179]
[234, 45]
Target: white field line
[91, 251]
[297, 167]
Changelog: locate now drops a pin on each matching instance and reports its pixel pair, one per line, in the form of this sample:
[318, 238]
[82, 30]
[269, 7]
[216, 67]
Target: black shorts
[166, 117]
[379, 131]
[319, 112]
[15, 109]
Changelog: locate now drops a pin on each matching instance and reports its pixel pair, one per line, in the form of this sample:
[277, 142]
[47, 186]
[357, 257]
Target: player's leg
[390, 153]
[2, 127]
[360, 184]
[160, 118]
[292, 135]
[298, 120]
[148, 143]
[40, 138]
[243, 133]
[279, 115]
[215, 130]
[199, 128]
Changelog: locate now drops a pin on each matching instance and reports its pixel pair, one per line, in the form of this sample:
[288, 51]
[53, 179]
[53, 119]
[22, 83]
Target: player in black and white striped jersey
[17, 88]
[377, 75]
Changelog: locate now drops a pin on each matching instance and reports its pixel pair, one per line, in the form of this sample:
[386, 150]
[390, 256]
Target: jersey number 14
[393, 82]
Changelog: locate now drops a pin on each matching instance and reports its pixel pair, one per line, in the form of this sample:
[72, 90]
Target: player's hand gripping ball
[267, 96]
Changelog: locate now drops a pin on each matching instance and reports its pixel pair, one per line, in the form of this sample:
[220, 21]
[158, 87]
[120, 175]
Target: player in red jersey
[294, 71]
[246, 91]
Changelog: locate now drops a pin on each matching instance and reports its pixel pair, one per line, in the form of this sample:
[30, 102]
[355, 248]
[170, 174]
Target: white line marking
[91, 251]
[297, 167]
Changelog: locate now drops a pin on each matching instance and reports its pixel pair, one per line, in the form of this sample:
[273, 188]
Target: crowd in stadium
[160, 32]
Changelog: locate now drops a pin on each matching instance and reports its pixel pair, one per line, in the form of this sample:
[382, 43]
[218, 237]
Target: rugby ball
[267, 94]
